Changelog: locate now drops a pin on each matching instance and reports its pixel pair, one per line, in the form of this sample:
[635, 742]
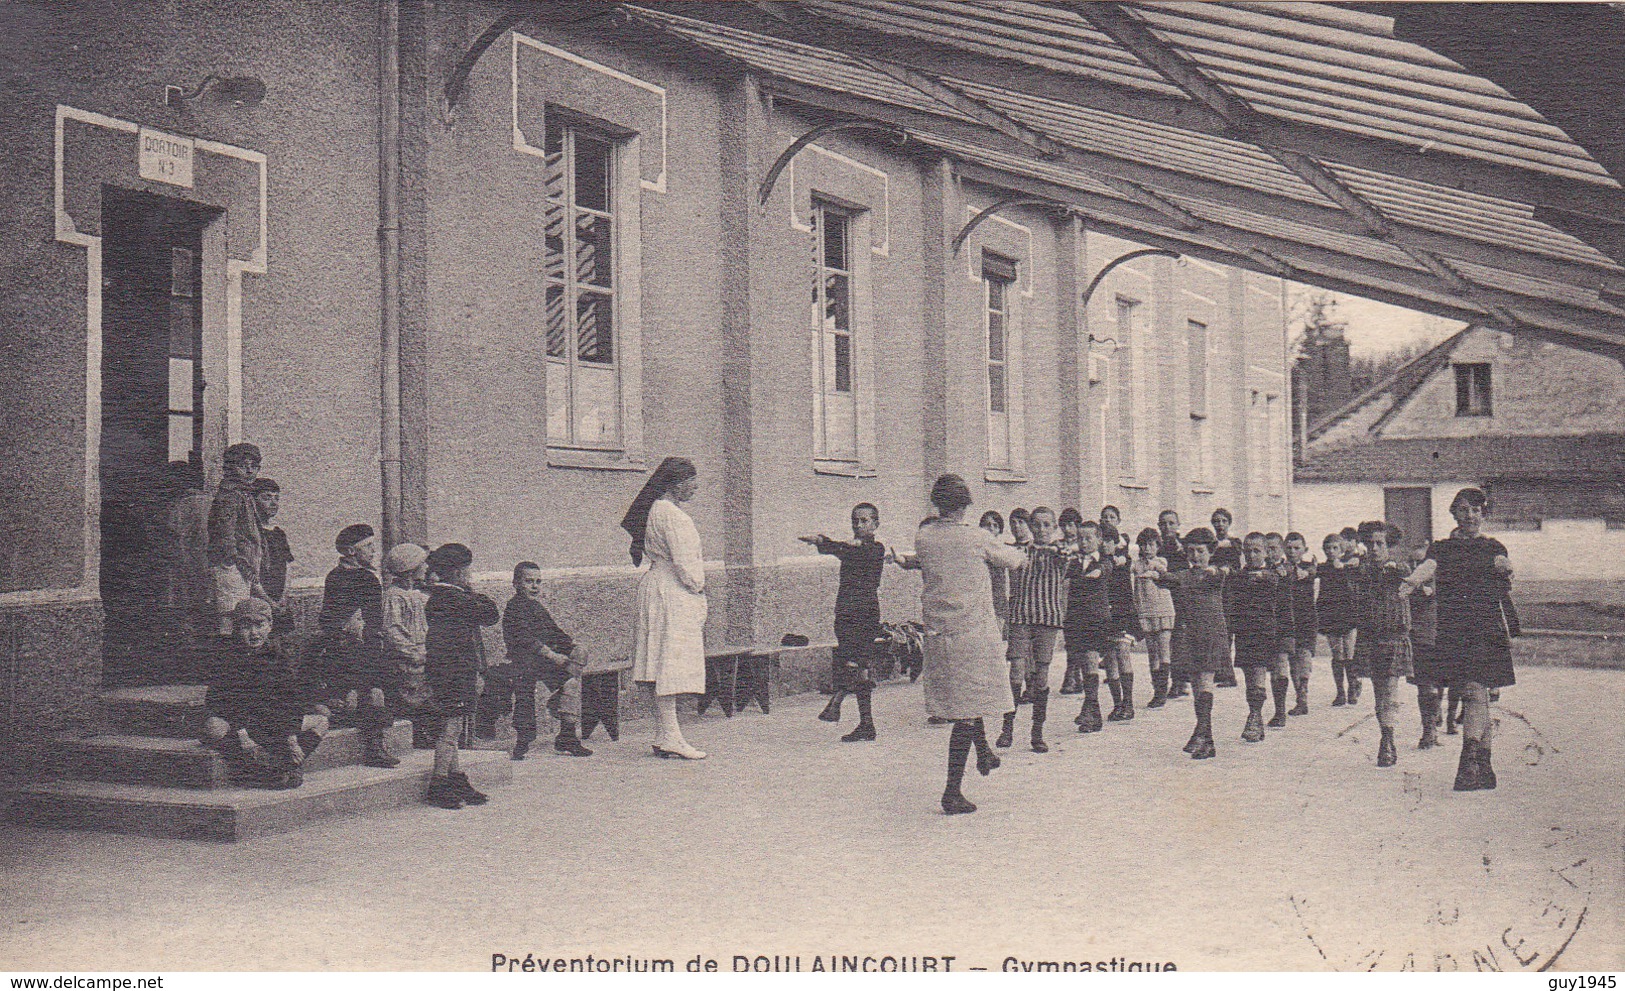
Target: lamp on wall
[239, 91]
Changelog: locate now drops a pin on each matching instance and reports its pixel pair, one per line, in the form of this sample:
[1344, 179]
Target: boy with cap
[236, 547]
[278, 555]
[455, 650]
[350, 641]
[406, 631]
[539, 650]
[261, 716]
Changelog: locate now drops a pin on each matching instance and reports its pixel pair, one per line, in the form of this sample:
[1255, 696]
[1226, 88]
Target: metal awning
[1310, 141]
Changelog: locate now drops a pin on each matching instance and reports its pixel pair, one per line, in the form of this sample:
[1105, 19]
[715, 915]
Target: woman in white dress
[668, 642]
[966, 676]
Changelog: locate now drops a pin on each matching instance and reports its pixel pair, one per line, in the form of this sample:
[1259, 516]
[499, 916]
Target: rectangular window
[185, 357]
[583, 376]
[835, 405]
[1473, 390]
[1123, 373]
[1196, 343]
[998, 282]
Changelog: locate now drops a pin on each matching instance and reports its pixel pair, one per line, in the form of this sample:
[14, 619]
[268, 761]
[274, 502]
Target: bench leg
[757, 682]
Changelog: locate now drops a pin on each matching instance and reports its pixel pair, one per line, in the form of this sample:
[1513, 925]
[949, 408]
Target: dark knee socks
[1278, 686]
[959, 744]
[1204, 714]
[865, 696]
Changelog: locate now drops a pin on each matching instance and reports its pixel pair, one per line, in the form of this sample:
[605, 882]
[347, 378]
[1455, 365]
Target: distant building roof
[1392, 391]
[1586, 458]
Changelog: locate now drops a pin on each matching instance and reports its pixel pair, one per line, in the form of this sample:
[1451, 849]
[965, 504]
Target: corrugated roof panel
[1152, 144]
[1030, 33]
[1482, 217]
[1525, 285]
[800, 63]
[1292, 230]
[1430, 109]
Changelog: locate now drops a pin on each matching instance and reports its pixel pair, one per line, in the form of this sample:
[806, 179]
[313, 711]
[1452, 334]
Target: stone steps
[145, 773]
[170, 761]
[241, 813]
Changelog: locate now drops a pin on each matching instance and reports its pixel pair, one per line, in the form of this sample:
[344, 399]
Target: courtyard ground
[1297, 853]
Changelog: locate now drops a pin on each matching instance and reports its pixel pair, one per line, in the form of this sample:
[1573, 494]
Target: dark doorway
[152, 431]
[1410, 509]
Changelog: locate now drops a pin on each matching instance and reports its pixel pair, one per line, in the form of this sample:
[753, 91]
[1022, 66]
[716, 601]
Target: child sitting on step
[262, 715]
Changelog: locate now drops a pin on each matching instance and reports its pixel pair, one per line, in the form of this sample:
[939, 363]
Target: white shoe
[682, 749]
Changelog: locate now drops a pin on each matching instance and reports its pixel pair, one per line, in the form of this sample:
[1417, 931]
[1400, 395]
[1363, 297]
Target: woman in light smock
[668, 641]
[966, 676]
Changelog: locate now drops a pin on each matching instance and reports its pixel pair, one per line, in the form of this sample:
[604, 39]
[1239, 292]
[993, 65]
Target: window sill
[1129, 483]
[842, 469]
[1007, 475]
[576, 457]
[1201, 490]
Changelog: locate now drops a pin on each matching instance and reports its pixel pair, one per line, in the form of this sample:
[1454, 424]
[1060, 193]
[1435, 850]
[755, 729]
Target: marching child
[1124, 625]
[1255, 601]
[1088, 625]
[1425, 673]
[452, 661]
[1072, 678]
[351, 642]
[1305, 621]
[1201, 641]
[1286, 639]
[1334, 606]
[1037, 612]
[1383, 643]
[406, 631]
[1154, 607]
[857, 617]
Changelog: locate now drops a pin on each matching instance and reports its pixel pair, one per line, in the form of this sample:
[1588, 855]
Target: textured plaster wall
[1536, 388]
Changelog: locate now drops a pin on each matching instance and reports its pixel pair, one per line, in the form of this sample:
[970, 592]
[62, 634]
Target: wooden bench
[732, 668]
[601, 696]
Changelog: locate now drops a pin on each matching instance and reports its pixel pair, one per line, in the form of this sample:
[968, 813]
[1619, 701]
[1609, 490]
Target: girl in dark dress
[1473, 576]
[1201, 634]
[1335, 608]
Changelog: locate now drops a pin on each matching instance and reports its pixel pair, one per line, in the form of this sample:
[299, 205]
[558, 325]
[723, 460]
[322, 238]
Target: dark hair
[351, 535]
[240, 453]
[1470, 497]
[1388, 530]
[992, 515]
[1041, 509]
[1255, 535]
[1092, 525]
[1149, 536]
[1108, 533]
[1020, 514]
[950, 494]
[870, 507]
[1295, 535]
[679, 471]
[1221, 511]
[1274, 537]
[449, 557]
[264, 485]
[1348, 532]
[1114, 509]
[1201, 535]
[1072, 516]
[1329, 538]
[1170, 512]
[522, 567]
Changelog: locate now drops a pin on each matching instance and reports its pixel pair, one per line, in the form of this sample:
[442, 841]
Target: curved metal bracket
[766, 189]
[1120, 259]
[459, 74]
[976, 221]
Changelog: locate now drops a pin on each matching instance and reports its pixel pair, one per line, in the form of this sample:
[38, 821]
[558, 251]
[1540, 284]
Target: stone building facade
[587, 283]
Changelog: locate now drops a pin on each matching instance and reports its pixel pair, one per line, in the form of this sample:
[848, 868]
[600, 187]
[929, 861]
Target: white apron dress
[966, 675]
[668, 636]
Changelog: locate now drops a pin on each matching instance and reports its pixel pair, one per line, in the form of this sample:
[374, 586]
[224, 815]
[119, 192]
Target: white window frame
[624, 452]
[858, 460]
[1126, 391]
[1004, 429]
